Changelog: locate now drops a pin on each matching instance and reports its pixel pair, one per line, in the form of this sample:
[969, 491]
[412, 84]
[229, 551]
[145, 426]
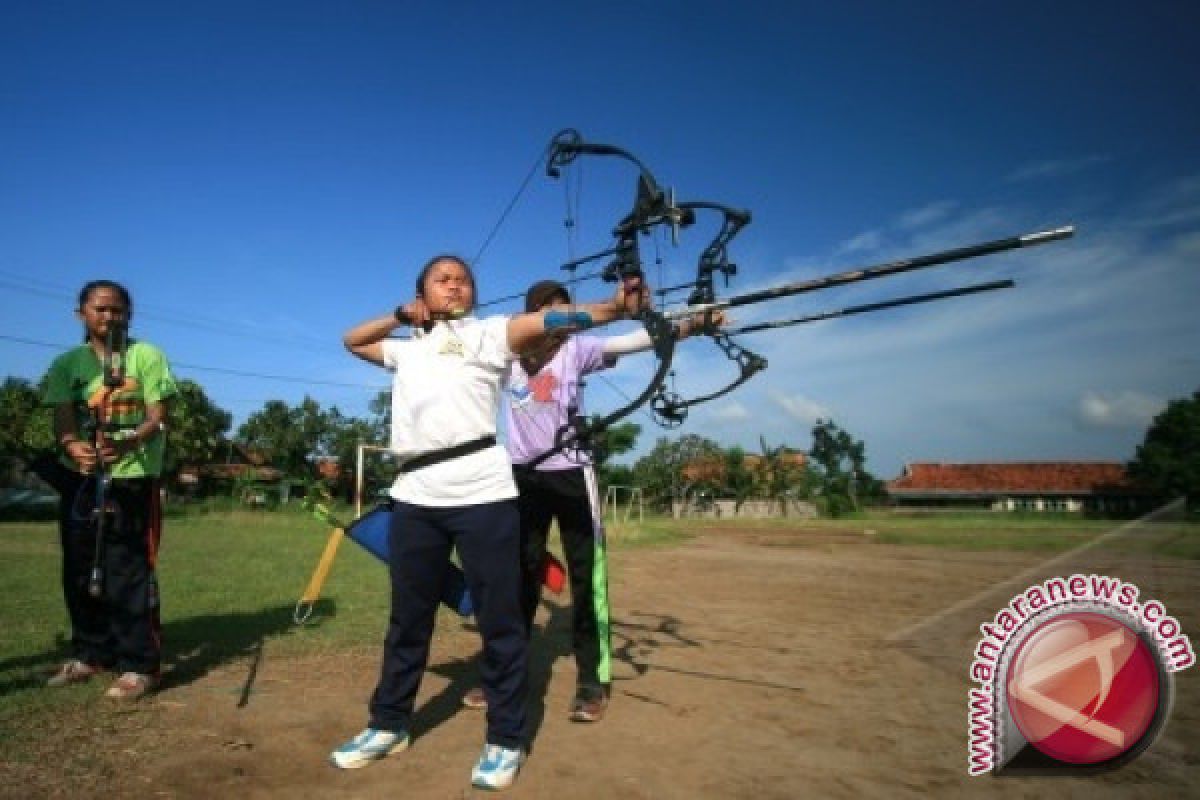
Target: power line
[222, 370]
[21, 284]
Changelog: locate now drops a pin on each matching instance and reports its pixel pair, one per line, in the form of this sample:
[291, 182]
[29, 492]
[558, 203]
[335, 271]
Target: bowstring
[572, 198]
[573, 181]
[487, 240]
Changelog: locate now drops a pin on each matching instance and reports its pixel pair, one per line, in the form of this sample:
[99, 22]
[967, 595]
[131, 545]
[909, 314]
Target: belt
[438, 456]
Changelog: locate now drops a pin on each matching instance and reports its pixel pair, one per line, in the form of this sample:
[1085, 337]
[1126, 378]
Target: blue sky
[264, 175]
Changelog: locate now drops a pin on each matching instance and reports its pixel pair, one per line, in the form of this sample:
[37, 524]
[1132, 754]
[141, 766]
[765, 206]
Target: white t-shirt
[446, 391]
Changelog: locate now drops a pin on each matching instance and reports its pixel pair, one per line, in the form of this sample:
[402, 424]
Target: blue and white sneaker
[497, 767]
[370, 745]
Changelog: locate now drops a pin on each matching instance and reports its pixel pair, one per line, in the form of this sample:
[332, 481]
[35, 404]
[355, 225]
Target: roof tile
[1055, 476]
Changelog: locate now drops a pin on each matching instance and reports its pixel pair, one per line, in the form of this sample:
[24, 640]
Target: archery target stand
[612, 503]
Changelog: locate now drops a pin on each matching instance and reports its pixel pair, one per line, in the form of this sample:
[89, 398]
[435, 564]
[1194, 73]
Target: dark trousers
[487, 537]
[120, 629]
[570, 498]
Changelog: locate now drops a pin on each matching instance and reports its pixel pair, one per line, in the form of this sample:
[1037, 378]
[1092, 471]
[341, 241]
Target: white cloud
[1055, 168]
[1188, 244]
[1127, 409]
[1174, 204]
[926, 215]
[800, 408]
[730, 412]
[863, 242]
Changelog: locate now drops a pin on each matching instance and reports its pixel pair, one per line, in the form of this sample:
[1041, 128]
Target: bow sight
[651, 206]
[715, 257]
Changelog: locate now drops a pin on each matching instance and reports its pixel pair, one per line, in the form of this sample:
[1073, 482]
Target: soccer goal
[367, 485]
[612, 503]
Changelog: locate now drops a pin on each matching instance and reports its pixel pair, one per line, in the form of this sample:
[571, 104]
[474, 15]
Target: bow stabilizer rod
[880, 306]
[880, 270]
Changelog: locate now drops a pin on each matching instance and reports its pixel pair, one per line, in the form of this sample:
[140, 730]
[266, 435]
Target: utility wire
[202, 368]
[169, 317]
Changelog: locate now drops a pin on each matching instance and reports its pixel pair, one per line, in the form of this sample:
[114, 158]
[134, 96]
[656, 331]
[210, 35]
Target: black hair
[92, 286]
[543, 293]
[462, 262]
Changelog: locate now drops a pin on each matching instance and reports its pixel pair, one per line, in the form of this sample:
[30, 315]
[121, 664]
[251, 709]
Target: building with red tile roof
[1070, 486]
[712, 469]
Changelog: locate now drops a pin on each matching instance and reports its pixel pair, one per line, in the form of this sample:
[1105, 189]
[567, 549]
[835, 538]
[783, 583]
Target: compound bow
[652, 207]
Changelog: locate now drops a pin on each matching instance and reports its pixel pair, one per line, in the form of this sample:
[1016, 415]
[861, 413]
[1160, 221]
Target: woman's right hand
[82, 453]
[415, 314]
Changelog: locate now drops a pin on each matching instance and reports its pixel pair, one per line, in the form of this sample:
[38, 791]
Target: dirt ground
[748, 664]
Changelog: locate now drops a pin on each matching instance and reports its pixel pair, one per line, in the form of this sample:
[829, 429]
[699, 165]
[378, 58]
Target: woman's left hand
[113, 450]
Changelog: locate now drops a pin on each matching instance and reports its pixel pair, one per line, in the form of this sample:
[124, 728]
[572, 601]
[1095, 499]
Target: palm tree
[780, 477]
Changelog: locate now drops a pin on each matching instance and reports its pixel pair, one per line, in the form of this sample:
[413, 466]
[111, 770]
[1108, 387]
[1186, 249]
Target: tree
[781, 479]
[616, 475]
[381, 407]
[196, 428]
[1168, 460]
[661, 472]
[739, 480]
[615, 441]
[343, 435]
[26, 425]
[842, 476]
[290, 437]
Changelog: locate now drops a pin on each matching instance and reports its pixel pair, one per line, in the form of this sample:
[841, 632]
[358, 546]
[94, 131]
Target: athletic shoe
[475, 700]
[370, 745]
[497, 767]
[73, 671]
[589, 704]
[132, 686]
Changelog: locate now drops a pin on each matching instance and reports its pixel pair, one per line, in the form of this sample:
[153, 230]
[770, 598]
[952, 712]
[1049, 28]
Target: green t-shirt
[76, 377]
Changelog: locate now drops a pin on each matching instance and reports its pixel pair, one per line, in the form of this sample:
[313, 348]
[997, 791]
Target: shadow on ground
[194, 646]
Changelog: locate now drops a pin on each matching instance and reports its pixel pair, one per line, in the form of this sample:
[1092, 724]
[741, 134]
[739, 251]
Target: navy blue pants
[119, 630]
[487, 537]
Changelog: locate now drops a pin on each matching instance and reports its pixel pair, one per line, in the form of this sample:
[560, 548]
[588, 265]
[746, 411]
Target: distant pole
[358, 480]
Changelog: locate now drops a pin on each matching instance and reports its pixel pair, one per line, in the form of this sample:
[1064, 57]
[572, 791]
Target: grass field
[231, 581]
